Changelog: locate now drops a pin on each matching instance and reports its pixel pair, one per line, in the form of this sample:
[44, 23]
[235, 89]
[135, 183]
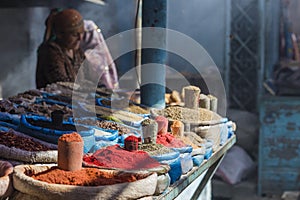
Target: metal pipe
[154, 14]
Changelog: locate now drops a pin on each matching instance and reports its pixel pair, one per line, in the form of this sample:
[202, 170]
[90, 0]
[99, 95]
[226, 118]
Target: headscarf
[59, 21]
[68, 20]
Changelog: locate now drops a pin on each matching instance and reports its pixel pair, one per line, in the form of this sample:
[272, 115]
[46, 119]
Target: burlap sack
[28, 156]
[211, 133]
[12, 153]
[43, 190]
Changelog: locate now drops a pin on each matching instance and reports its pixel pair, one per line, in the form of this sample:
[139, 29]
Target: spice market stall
[174, 150]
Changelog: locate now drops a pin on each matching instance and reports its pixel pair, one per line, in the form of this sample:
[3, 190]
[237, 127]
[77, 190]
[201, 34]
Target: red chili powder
[84, 177]
[132, 138]
[169, 140]
[117, 157]
[71, 137]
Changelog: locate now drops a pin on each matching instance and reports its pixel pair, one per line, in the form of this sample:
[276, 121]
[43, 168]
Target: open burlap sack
[28, 156]
[43, 190]
[12, 153]
[214, 133]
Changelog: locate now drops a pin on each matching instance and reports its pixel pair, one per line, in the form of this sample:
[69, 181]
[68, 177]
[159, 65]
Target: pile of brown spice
[10, 139]
[187, 114]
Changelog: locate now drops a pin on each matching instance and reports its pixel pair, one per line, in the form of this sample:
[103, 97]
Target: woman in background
[69, 43]
[60, 55]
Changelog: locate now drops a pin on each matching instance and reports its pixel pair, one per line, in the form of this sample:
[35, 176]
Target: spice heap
[117, 157]
[10, 139]
[42, 109]
[131, 143]
[170, 140]
[84, 177]
[114, 126]
[125, 105]
[72, 137]
[155, 149]
[50, 125]
[187, 114]
[70, 152]
[105, 125]
[119, 114]
[137, 109]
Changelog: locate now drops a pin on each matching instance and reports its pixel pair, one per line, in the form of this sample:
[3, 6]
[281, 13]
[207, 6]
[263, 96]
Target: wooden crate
[279, 145]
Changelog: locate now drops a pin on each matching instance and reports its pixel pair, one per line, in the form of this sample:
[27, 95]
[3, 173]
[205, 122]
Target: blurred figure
[98, 56]
[69, 43]
[60, 55]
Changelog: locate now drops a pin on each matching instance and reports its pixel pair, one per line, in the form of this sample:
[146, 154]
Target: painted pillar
[154, 14]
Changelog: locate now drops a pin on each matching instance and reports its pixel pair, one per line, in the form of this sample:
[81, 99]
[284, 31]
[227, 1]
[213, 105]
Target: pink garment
[98, 56]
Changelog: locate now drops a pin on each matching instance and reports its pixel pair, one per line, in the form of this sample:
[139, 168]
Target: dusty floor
[245, 190]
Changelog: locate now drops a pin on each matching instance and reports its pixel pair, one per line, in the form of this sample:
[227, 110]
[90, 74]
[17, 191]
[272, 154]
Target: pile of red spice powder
[84, 177]
[169, 140]
[117, 157]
